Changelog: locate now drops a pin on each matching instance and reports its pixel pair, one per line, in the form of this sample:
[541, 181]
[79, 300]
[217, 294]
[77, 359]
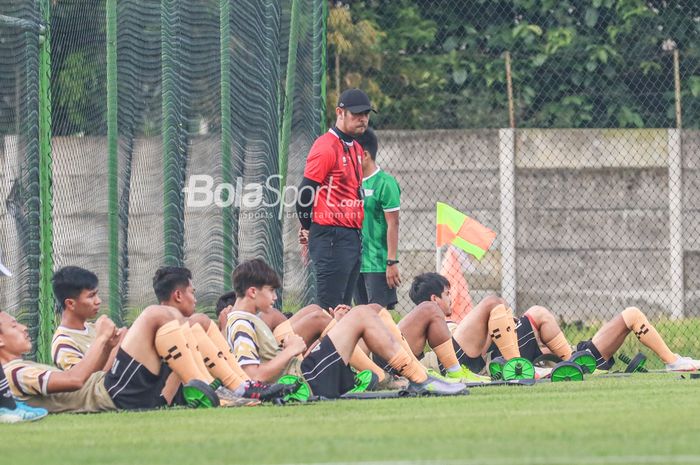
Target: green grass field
[632, 420]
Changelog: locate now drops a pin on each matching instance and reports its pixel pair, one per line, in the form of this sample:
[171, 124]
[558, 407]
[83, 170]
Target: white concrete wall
[592, 213]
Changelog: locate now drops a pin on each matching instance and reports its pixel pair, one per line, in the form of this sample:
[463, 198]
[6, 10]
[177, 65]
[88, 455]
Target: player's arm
[93, 361]
[271, 370]
[305, 201]
[392, 233]
[390, 201]
[244, 344]
[119, 334]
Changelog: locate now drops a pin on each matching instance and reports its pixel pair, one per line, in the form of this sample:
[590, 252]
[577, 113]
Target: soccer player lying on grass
[154, 347]
[610, 337]
[326, 367]
[76, 291]
[12, 410]
[311, 323]
[492, 326]
[173, 287]
[490, 320]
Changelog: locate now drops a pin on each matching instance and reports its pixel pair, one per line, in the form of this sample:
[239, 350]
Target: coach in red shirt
[329, 205]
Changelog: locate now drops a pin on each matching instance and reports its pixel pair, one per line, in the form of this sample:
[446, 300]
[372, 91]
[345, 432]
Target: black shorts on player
[326, 372]
[132, 387]
[601, 362]
[527, 341]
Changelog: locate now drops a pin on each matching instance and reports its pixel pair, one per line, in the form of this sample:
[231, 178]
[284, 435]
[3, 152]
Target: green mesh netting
[144, 96]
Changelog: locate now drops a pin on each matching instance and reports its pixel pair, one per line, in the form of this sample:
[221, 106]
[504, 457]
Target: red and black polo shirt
[337, 166]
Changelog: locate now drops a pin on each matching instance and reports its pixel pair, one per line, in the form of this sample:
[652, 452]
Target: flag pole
[438, 258]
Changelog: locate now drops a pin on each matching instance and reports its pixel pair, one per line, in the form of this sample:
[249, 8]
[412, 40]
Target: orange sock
[408, 366]
[395, 331]
[360, 361]
[218, 339]
[636, 321]
[214, 360]
[192, 344]
[560, 346]
[171, 345]
[446, 354]
[283, 330]
[502, 330]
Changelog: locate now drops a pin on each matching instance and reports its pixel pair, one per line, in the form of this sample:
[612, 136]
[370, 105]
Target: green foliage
[592, 63]
[82, 88]
[439, 63]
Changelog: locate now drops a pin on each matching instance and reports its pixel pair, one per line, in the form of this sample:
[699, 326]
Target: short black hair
[169, 278]
[427, 285]
[224, 301]
[254, 273]
[70, 281]
[369, 143]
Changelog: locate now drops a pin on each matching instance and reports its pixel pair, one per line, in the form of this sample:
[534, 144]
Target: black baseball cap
[355, 101]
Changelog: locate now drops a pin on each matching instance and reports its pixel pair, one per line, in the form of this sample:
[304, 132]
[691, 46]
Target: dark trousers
[336, 253]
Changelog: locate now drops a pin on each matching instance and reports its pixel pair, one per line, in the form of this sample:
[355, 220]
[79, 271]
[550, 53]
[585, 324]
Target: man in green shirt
[379, 272]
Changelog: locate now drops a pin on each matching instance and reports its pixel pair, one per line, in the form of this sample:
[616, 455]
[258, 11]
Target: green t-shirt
[381, 195]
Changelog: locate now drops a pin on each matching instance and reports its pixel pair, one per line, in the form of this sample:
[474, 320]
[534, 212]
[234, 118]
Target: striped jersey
[69, 346]
[29, 383]
[252, 341]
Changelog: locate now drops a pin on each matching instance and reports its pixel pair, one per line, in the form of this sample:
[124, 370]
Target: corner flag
[456, 228]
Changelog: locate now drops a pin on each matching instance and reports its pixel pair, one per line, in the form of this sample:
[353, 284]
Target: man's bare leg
[139, 341]
[472, 333]
[611, 336]
[549, 331]
[362, 322]
[426, 324]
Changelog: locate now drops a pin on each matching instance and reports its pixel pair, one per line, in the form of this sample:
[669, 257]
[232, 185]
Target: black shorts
[601, 363]
[373, 289]
[325, 371]
[475, 364]
[132, 387]
[527, 341]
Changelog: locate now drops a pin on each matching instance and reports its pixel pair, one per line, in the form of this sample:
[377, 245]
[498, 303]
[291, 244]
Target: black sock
[6, 399]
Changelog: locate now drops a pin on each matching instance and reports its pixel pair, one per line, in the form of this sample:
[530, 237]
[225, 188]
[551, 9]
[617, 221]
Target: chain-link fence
[570, 128]
[143, 99]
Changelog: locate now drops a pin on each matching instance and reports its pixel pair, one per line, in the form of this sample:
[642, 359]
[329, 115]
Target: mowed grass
[629, 420]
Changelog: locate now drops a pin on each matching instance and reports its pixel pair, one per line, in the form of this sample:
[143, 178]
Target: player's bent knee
[539, 314]
[493, 301]
[200, 318]
[160, 314]
[376, 308]
[633, 318]
[362, 311]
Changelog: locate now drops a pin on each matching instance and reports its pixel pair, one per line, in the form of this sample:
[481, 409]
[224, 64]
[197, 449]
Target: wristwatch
[391, 262]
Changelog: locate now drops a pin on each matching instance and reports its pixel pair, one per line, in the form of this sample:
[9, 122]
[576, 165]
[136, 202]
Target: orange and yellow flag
[456, 228]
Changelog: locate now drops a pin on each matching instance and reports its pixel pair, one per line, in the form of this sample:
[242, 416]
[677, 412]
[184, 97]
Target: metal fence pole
[115, 298]
[506, 153]
[226, 135]
[675, 215]
[46, 297]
